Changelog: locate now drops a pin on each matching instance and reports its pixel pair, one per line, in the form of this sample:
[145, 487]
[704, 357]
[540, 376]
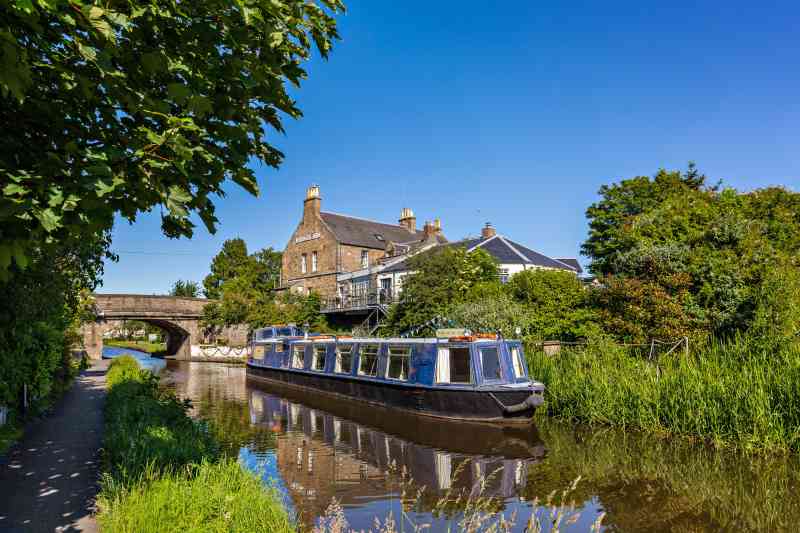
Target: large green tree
[187, 288]
[678, 257]
[441, 278]
[117, 107]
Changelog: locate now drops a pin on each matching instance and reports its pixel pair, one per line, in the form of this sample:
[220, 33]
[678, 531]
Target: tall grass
[731, 393]
[165, 472]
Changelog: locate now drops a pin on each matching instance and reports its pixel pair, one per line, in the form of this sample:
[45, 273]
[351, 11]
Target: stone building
[325, 245]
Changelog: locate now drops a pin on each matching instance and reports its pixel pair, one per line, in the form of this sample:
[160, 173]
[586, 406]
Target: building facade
[326, 245]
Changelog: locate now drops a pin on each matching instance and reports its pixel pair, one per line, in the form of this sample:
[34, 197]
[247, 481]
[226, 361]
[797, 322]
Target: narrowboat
[477, 378]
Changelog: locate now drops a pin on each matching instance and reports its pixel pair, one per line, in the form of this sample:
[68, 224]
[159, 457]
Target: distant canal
[313, 449]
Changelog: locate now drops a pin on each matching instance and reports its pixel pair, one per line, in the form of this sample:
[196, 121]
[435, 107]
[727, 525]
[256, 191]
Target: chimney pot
[488, 231]
[408, 220]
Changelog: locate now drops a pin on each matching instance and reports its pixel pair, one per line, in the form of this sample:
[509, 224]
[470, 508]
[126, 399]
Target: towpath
[49, 480]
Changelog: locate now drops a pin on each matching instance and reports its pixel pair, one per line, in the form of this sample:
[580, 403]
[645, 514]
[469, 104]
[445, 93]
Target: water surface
[376, 462]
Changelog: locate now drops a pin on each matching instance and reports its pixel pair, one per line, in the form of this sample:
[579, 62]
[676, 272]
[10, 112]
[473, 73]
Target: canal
[312, 450]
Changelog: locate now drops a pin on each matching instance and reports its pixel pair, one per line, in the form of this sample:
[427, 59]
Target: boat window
[452, 366]
[258, 352]
[344, 359]
[297, 356]
[319, 358]
[279, 347]
[399, 358]
[285, 332]
[368, 365]
[516, 358]
[490, 363]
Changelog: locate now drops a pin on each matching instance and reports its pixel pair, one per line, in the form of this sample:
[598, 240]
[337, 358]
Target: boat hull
[474, 405]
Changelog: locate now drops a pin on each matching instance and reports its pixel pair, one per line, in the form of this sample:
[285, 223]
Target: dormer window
[379, 237]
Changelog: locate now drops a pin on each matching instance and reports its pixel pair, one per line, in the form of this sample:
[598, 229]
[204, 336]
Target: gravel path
[49, 480]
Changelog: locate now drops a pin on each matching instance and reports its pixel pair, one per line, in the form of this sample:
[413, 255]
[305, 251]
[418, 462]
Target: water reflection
[321, 456]
[315, 449]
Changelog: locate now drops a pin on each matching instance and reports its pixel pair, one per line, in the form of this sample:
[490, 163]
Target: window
[490, 363]
[318, 362]
[452, 366]
[313, 261]
[364, 258]
[344, 359]
[303, 266]
[502, 273]
[516, 358]
[279, 347]
[298, 353]
[258, 353]
[368, 364]
[399, 359]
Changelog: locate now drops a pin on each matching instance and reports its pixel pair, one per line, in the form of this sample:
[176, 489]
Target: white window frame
[258, 352]
[315, 354]
[517, 363]
[392, 352]
[338, 367]
[313, 261]
[303, 263]
[443, 363]
[302, 358]
[364, 258]
[361, 351]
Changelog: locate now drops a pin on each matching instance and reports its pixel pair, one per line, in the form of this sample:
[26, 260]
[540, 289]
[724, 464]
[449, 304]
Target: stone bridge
[177, 316]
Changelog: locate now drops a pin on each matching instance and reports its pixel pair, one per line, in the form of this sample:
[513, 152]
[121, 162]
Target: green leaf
[12, 189]
[49, 219]
[25, 6]
[178, 92]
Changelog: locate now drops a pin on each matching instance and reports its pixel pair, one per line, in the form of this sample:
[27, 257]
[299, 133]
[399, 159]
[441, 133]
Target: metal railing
[372, 299]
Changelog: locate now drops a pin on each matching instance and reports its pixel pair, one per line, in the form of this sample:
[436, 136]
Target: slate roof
[505, 251]
[363, 232]
[571, 262]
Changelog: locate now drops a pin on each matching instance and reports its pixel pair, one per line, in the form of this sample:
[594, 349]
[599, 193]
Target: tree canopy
[114, 108]
[677, 257]
[190, 289]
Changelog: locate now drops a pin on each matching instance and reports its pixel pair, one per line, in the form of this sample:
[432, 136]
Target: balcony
[358, 303]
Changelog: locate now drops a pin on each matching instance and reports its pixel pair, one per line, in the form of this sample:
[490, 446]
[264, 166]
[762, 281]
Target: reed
[164, 471]
[731, 394]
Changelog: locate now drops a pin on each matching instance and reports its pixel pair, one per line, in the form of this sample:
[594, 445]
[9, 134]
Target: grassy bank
[165, 472]
[153, 348]
[729, 394]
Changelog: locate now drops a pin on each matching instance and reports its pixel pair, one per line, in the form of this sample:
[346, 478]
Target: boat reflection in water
[367, 458]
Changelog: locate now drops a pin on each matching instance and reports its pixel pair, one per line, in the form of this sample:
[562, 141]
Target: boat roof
[395, 340]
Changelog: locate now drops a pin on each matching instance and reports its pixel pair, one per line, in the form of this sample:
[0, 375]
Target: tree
[189, 289]
[231, 262]
[116, 108]
[441, 278]
[677, 257]
[241, 283]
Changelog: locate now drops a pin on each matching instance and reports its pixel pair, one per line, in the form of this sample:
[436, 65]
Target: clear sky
[511, 112]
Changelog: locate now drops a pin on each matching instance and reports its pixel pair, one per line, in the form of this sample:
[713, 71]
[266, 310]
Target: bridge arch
[178, 316]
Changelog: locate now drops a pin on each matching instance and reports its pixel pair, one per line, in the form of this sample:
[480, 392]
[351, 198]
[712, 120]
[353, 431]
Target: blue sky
[510, 112]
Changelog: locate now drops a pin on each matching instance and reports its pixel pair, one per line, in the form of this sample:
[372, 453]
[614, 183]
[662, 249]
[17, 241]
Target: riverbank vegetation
[164, 471]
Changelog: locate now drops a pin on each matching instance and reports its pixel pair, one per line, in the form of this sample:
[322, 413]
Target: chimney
[429, 230]
[312, 203]
[488, 231]
[437, 226]
[408, 220]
